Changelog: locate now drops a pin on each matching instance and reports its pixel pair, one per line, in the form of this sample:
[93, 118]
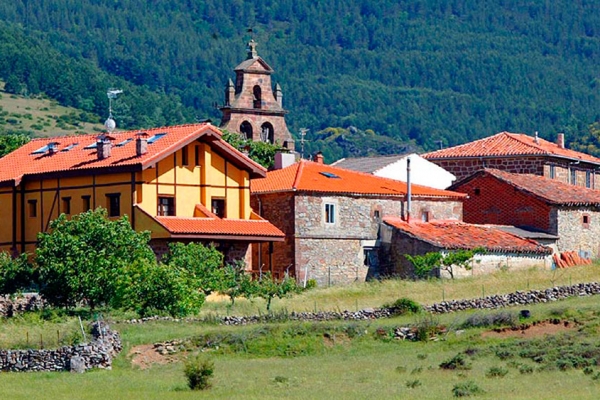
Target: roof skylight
[156, 137]
[124, 142]
[330, 175]
[69, 147]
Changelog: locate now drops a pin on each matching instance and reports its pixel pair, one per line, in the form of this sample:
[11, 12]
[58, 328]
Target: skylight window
[69, 147]
[124, 142]
[91, 146]
[46, 148]
[156, 137]
[330, 175]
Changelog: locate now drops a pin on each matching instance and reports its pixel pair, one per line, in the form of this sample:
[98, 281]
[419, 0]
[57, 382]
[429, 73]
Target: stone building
[331, 217]
[503, 250]
[544, 204]
[251, 107]
[522, 154]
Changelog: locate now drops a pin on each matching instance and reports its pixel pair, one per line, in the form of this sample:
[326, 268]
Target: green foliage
[466, 389]
[404, 306]
[11, 142]
[480, 320]
[204, 264]
[198, 372]
[268, 288]
[235, 281]
[457, 362]
[261, 152]
[427, 263]
[148, 287]
[82, 259]
[311, 284]
[15, 274]
[496, 372]
[413, 384]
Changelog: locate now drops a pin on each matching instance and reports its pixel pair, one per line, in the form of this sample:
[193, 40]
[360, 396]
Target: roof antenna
[302, 140]
[536, 139]
[110, 123]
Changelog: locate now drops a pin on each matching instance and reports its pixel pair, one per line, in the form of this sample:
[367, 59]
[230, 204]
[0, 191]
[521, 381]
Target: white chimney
[283, 160]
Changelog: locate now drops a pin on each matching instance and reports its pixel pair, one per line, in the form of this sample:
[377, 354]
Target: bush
[466, 389]
[198, 372]
[404, 306]
[479, 320]
[456, 362]
[310, 284]
[413, 384]
[496, 372]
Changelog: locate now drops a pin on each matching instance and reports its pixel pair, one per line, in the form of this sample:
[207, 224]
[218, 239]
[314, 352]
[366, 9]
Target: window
[425, 216]
[477, 191]
[267, 133]
[218, 207]
[246, 130]
[32, 204]
[66, 205]
[184, 156]
[166, 206]
[330, 213]
[585, 221]
[197, 155]
[376, 214]
[256, 91]
[573, 176]
[588, 179]
[114, 204]
[552, 171]
[86, 203]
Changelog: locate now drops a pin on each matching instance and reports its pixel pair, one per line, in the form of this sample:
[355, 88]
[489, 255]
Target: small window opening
[425, 216]
[184, 156]
[86, 203]
[197, 156]
[256, 91]
[66, 205]
[114, 204]
[376, 214]
[166, 206]
[552, 171]
[330, 213]
[585, 220]
[218, 207]
[477, 191]
[330, 175]
[588, 179]
[32, 204]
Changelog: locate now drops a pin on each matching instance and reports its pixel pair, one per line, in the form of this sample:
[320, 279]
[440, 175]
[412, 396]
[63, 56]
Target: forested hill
[420, 70]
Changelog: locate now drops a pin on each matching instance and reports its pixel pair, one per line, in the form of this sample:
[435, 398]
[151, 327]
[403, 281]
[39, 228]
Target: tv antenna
[110, 123]
[303, 132]
[440, 143]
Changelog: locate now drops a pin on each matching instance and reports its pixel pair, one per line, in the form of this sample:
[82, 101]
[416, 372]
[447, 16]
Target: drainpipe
[408, 190]
[260, 243]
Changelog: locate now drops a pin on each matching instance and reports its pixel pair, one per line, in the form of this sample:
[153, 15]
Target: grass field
[297, 361]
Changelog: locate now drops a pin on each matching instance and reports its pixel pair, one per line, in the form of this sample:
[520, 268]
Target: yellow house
[181, 183]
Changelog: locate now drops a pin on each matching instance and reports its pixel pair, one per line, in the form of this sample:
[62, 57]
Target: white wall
[422, 172]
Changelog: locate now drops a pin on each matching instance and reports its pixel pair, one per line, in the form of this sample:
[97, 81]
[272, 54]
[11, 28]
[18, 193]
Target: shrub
[466, 389]
[198, 372]
[310, 284]
[496, 372]
[413, 384]
[503, 318]
[404, 306]
[456, 362]
[525, 369]
[427, 328]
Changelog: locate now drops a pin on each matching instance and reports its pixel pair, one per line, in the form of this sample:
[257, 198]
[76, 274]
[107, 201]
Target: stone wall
[232, 250]
[574, 234]
[98, 353]
[25, 302]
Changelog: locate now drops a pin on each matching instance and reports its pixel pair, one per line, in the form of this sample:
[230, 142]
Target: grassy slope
[25, 113]
[363, 368]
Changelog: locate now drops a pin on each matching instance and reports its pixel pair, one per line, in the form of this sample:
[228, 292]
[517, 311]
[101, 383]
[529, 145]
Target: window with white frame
[329, 213]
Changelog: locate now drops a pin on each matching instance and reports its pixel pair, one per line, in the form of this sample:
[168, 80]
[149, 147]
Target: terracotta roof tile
[217, 226]
[308, 176]
[509, 144]
[549, 190]
[454, 235]
[71, 153]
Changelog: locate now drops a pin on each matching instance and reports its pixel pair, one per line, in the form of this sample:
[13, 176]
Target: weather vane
[110, 123]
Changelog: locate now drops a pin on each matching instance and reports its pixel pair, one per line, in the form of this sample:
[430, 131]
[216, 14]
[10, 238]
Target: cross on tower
[252, 49]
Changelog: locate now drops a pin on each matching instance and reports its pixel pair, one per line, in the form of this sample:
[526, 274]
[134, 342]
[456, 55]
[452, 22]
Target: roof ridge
[298, 176]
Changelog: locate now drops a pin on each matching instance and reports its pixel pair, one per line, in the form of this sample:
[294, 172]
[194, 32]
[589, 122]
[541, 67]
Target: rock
[77, 365]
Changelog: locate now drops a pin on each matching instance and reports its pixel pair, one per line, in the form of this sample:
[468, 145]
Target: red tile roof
[509, 144]
[454, 235]
[71, 155]
[255, 229]
[548, 190]
[308, 176]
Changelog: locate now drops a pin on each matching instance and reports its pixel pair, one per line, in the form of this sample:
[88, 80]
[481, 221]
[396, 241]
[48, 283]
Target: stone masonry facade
[578, 229]
[334, 252]
[550, 167]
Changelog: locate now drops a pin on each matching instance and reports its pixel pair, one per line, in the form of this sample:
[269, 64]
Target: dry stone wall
[10, 306]
[98, 353]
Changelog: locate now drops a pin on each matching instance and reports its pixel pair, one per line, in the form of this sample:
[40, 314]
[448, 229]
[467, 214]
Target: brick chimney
[103, 146]
[318, 158]
[141, 144]
[560, 140]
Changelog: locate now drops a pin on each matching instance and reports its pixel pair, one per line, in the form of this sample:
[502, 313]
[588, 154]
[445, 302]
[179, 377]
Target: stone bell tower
[252, 108]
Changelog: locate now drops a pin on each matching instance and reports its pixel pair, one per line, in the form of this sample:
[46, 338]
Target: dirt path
[145, 355]
[531, 331]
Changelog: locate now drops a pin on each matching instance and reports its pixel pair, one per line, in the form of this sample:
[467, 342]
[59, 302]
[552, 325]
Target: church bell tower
[252, 108]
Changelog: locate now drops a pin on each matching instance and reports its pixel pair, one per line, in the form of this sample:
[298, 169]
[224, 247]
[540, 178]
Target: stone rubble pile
[98, 353]
[25, 302]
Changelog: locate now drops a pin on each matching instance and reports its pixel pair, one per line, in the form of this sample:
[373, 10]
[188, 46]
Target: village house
[423, 172]
[181, 183]
[522, 154]
[501, 250]
[571, 213]
[252, 108]
[331, 217]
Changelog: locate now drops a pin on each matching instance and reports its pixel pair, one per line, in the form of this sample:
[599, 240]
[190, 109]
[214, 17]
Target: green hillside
[425, 70]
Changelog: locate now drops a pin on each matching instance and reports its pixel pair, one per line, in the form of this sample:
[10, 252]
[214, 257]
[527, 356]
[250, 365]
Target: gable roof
[309, 176]
[509, 144]
[548, 190]
[368, 164]
[72, 156]
[454, 235]
[255, 64]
